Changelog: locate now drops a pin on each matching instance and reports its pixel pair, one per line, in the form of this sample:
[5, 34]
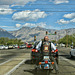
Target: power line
[41, 11]
[43, 8]
[39, 4]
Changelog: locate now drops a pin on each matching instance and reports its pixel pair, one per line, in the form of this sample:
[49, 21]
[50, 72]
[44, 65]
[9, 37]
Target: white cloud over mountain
[18, 25]
[28, 15]
[62, 21]
[41, 24]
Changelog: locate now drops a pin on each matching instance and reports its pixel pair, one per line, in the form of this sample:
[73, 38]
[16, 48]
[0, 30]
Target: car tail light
[46, 62]
[56, 50]
[33, 50]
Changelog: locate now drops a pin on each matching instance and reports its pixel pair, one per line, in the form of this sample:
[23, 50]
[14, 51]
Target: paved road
[66, 65]
[10, 58]
[6, 55]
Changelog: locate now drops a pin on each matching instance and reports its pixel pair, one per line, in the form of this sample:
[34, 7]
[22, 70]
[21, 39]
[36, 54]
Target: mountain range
[27, 33]
[4, 33]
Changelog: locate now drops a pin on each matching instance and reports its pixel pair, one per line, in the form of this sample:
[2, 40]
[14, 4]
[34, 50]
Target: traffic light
[34, 38]
[55, 33]
[46, 32]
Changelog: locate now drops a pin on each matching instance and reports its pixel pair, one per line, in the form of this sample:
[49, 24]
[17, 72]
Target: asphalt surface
[66, 64]
[6, 55]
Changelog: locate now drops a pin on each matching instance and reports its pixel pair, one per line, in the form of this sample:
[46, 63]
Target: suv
[72, 52]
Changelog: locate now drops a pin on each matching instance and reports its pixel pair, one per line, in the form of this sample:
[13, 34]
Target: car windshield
[1, 45]
[22, 45]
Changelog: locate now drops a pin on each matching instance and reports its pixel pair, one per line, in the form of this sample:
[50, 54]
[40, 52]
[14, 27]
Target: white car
[10, 47]
[2, 46]
[6, 47]
[72, 52]
[22, 46]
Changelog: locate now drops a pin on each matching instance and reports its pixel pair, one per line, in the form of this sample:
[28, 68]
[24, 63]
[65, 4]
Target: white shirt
[40, 43]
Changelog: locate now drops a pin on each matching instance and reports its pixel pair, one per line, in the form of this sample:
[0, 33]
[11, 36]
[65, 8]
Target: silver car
[2, 46]
[22, 46]
[72, 52]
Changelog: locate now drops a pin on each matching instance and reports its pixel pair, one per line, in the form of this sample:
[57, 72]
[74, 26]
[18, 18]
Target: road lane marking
[5, 62]
[12, 70]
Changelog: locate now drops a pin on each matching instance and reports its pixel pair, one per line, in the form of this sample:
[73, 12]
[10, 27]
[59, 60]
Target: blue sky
[50, 14]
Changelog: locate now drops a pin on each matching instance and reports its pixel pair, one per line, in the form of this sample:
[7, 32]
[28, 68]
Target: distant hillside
[4, 33]
[27, 33]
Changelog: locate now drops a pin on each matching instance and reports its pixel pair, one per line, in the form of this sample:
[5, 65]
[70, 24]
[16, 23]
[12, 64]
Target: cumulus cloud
[59, 1]
[4, 11]
[18, 25]
[29, 15]
[15, 2]
[72, 15]
[62, 21]
[41, 24]
[73, 20]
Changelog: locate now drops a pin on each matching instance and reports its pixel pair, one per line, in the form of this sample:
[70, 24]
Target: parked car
[29, 46]
[72, 52]
[71, 46]
[10, 47]
[16, 46]
[2, 46]
[5, 47]
[22, 46]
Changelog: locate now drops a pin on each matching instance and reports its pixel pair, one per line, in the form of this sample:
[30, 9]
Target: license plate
[46, 57]
[46, 48]
[46, 66]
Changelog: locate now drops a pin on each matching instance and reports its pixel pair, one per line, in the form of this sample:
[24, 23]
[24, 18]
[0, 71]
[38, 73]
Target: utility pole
[66, 38]
[55, 38]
